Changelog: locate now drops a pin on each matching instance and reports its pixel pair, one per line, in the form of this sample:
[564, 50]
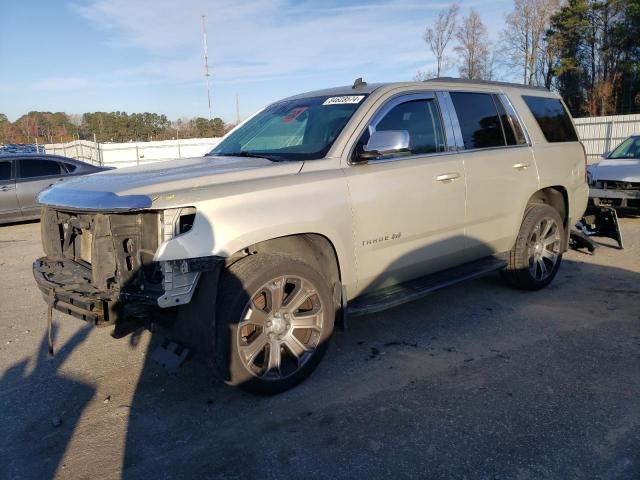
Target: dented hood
[624, 170]
[137, 187]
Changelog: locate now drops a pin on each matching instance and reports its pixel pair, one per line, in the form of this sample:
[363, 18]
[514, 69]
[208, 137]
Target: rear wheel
[275, 317]
[537, 253]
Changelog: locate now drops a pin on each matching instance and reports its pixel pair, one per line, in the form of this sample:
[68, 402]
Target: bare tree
[440, 35]
[75, 118]
[473, 48]
[548, 54]
[524, 36]
[491, 66]
[422, 75]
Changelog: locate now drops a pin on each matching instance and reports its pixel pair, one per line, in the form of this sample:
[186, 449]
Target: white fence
[603, 134]
[133, 153]
[599, 135]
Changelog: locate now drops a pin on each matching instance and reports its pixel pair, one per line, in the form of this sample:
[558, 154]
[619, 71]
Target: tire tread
[516, 273]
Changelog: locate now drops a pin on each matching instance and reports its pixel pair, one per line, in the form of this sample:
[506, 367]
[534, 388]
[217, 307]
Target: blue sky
[146, 55]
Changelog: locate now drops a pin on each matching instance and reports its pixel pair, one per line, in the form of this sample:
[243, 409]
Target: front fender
[316, 203]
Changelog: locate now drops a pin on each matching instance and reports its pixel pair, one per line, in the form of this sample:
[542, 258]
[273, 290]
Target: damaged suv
[325, 205]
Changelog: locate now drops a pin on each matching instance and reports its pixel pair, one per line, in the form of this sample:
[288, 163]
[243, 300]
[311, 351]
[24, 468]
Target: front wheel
[537, 253]
[275, 318]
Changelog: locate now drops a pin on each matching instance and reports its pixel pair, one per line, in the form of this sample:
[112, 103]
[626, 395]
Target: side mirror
[384, 143]
[605, 154]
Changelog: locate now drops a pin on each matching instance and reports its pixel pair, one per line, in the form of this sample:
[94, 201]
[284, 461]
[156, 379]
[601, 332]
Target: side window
[553, 118]
[479, 120]
[5, 170]
[421, 119]
[38, 168]
[69, 167]
[513, 133]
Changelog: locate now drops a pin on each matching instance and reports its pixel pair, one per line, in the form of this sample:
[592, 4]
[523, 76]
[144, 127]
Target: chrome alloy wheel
[544, 248]
[280, 327]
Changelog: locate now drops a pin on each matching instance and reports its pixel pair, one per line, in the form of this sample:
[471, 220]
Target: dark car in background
[24, 175]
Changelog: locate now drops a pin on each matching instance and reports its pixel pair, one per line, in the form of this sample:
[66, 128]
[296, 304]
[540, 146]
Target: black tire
[248, 291]
[524, 270]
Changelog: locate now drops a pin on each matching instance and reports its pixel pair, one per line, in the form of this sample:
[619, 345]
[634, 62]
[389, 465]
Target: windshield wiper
[273, 158]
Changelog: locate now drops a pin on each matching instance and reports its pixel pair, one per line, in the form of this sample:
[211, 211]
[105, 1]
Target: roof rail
[485, 82]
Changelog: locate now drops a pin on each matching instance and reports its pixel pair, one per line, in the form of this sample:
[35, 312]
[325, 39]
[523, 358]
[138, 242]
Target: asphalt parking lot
[479, 382]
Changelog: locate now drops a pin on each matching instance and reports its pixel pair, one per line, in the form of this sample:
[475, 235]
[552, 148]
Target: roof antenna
[359, 83]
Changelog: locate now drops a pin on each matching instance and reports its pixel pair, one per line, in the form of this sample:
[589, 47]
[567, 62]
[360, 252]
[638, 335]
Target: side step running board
[407, 292]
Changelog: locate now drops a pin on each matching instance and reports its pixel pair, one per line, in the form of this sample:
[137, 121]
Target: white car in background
[615, 180]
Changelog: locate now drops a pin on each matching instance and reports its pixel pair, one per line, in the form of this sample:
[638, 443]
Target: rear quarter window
[553, 118]
[69, 167]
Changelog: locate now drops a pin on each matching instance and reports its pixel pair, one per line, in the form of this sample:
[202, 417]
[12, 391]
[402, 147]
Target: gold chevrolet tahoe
[325, 205]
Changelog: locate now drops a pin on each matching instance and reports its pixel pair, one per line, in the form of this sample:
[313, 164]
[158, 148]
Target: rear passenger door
[9, 207]
[560, 157]
[500, 170]
[34, 175]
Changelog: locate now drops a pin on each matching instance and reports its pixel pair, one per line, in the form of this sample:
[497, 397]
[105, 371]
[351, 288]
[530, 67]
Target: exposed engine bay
[101, 268]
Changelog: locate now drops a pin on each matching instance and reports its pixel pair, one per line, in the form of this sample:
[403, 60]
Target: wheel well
[556, 197]
[314, 249]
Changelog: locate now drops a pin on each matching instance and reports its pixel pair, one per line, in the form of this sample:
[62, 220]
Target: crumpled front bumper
[74, 294]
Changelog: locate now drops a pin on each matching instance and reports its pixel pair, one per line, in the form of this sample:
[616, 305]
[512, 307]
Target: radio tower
[206, 62]
[237, 110]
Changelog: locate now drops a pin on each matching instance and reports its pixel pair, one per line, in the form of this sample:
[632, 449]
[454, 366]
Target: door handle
[521, 166]
[6, 188]
[448, 177]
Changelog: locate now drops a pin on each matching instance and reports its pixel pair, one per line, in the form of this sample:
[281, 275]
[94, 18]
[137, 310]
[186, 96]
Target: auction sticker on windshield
[343, 100]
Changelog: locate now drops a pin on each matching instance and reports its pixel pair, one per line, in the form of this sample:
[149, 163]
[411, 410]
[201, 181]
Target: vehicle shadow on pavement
[477, 381]
[44, 407]
[19, 222]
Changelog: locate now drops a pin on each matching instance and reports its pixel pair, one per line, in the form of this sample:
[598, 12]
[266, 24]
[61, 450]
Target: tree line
[587, 50]
[54, 127]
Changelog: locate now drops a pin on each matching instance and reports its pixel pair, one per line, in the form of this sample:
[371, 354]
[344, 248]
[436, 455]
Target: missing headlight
[177, 221]
[185, 222]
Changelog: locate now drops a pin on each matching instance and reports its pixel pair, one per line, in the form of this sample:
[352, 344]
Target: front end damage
[100, 267]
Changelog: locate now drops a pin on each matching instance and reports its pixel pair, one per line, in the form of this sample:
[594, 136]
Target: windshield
[630, 148]
[301, 129]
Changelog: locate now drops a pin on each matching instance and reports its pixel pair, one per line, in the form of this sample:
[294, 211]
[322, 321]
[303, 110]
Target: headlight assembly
[176, 221]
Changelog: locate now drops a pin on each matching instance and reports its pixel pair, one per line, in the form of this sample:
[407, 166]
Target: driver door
[9, 207]
[34, 175]
[408, 210]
